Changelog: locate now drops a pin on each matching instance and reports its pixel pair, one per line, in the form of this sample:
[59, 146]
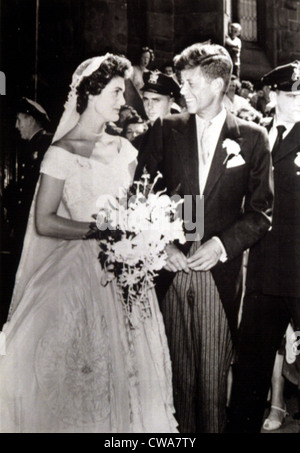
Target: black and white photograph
[150, 219]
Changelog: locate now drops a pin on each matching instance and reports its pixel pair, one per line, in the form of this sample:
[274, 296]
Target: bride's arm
[47, 222]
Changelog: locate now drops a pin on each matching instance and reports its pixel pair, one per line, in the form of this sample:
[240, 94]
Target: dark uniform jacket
[274, 264]
[19, 194]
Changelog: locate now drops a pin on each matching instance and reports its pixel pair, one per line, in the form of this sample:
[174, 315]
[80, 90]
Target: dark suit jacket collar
[231, 131]
[231, 127]
[185, 134]
[186, 139]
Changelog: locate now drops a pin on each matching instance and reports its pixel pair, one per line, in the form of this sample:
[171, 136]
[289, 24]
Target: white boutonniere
[233, 150]
[297, 160]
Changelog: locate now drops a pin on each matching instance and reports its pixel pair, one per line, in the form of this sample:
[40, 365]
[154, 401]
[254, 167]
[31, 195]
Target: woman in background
[146, 57]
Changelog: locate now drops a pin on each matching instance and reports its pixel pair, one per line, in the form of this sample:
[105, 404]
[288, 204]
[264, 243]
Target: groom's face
[197, 90]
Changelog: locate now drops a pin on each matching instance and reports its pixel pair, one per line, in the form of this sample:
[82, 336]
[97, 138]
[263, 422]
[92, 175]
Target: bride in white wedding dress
[73, 363]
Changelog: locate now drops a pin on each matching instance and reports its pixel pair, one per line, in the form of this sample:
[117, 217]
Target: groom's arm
[256, 218]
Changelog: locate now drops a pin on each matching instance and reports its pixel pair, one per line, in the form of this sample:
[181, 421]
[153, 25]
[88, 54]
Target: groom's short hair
[213, 59]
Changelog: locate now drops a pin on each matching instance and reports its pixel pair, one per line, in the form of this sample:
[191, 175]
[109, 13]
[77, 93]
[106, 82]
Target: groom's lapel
[218, 166]
[186, 148]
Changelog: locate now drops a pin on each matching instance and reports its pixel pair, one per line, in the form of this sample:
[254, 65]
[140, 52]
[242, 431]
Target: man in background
[159, 94]
[32, 121]
[272, 295]
[233, 44]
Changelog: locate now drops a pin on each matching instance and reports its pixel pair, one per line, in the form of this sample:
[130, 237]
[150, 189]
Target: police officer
[159, 94]
[273, 279]
[32, 122]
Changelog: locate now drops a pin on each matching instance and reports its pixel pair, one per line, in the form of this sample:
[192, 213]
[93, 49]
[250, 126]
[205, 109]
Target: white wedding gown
[72, 362]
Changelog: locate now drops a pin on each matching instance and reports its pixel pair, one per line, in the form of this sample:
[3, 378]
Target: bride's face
[108, 103]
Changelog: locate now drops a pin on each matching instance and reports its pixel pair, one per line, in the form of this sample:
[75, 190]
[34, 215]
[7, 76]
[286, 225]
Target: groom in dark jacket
[208, 154]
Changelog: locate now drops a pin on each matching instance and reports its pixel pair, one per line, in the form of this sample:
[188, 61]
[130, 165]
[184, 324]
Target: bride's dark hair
[111, 67]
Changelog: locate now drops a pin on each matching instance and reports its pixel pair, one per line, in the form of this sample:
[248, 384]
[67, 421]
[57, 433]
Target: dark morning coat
[274, 263]
[237, 201]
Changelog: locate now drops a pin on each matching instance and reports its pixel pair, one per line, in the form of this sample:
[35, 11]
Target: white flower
[152, 199]
[297, 160]
[174, 231]
[164, 201]
[140, 243]
[177, 231]
[148, 244]
[232, 147]
[118, 218]
[128, 278]
[138, 219]
[105, 201]
[153, 238]
[149, 218]
[123, 249]
[157, 263]
[159, 217]
[101, 220]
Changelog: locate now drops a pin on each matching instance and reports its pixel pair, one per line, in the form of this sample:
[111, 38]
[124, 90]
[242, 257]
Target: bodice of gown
[88, 178]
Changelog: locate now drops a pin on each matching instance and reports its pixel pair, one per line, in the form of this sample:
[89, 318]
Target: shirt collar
[217, 122]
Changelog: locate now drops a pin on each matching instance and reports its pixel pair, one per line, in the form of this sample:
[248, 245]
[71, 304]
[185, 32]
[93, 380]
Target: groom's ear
[218, 85]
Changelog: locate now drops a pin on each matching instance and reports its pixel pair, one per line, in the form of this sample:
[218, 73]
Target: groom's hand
[206, 257]
[177, 261]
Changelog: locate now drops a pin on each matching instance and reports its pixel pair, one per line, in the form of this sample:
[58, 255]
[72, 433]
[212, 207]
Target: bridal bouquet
[133, 233]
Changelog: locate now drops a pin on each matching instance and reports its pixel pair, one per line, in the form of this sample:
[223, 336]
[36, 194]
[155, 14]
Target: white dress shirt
[212, 137]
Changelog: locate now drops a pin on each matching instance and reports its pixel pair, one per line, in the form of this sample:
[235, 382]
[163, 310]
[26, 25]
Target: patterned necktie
[281, 129]
[204, 143]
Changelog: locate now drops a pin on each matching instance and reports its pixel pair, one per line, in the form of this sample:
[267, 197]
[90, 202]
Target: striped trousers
[201, 351]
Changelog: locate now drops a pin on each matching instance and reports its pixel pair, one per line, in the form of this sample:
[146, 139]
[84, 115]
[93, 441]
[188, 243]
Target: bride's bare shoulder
[66, 146]
[73, 144]
[68, 143]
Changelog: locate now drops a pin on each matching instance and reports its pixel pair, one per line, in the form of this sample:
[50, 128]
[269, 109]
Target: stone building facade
[70, 30]
[174, 24]
[282, 31]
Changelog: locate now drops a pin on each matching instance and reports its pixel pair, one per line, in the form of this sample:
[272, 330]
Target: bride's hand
[93, 232]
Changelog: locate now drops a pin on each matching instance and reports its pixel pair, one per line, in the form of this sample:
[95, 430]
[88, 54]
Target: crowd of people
[83, 368]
